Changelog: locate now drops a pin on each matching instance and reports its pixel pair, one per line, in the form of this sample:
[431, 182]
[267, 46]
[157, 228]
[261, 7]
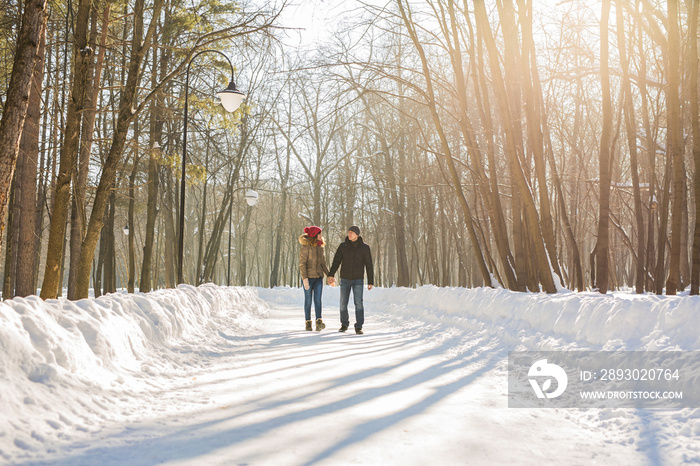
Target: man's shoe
[308, 325]
[319, 325]
[359, 331]
[343, 328]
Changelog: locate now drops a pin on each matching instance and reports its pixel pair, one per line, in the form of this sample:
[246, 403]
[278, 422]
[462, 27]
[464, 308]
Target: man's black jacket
[354, 257]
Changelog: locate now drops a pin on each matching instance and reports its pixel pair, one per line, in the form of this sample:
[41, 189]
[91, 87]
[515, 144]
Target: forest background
[517, 143]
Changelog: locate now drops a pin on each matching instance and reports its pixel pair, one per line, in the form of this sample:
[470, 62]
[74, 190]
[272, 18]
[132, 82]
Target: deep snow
[217, 375]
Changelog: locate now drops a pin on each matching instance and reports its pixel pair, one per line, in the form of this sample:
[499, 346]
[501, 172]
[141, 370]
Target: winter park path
[414, 390]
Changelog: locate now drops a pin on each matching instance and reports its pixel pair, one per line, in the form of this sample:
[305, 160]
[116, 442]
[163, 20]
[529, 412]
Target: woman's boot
[308, 325]
[320, 325]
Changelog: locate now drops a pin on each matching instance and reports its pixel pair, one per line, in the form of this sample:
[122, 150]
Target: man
[353, 257]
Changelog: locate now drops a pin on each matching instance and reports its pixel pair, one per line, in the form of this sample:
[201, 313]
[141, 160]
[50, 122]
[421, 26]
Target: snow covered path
[262, 391]
[403, 393]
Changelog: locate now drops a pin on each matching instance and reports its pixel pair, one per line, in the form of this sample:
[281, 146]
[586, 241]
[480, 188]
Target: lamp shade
[251, 197]
[231, 98]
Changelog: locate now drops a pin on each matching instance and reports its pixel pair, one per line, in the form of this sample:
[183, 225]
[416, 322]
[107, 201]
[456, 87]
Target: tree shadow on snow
[192, 441]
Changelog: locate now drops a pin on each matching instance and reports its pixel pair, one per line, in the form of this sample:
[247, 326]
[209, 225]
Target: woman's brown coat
[312, 257]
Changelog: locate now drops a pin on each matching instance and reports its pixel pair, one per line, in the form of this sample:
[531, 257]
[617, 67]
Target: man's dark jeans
[314, 294]
[357, 287]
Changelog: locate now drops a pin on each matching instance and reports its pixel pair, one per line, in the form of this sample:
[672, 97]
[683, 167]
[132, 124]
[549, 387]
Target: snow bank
[613, 321]
[67, 362]
[70, 370]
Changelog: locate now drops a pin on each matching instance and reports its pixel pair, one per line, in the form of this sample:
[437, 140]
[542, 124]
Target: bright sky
[313, 18]
[317, 19]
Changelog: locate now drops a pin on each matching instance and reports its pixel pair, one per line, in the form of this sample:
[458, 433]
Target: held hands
[306, 283]
[333, 283]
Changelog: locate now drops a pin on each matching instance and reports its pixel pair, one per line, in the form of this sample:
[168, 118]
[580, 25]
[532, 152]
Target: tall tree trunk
[146, 284]
[43, 182]
[695, 117]
[577, 273]
[132, 204]
[350, 192]
[170, 234]
[156, 130]
[534, 122]
[25, 283]
[82, 59]
[399, 230]
[214, 243]
[78, 217]
[602, 246]
[500, 227]
[519, 158]
[399, 200]
[242, 256]
[490, 197]
[660, 273]
[397, 208]
[18, 93]
[277, 245]
[675, 147]
[684, 278]
[650, 149]
[277, 248]
[317, 186]
[457, 185]
[542, 261]
[203, 217]
[631, 130]
[109, 276]
[139, 46]
[8, 287]
[508, 96]
[100, 269]
[62, 268]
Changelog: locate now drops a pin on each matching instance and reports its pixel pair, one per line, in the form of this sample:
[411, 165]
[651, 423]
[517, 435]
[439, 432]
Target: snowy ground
[215, 375]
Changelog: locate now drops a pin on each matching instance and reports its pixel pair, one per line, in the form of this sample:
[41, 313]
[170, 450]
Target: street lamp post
[231, 99]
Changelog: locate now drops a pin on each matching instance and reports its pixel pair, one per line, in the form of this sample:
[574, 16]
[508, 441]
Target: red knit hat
[312, 231]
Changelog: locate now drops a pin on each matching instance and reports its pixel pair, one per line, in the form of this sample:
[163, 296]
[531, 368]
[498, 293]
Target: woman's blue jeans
[313, 293]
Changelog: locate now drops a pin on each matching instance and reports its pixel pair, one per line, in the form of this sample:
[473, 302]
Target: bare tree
[675, 148]
[18, 93]
[631, 130]
[695, 117]
[602, 246]
[26, 195]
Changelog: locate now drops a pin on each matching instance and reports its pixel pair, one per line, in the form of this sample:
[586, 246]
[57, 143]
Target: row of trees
[112, 76]
[475, 143]
[487, 84]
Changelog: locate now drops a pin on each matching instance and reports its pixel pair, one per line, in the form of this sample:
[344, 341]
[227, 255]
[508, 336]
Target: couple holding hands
[353, 256]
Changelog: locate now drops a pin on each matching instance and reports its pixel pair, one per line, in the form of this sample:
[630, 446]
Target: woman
[312, 265]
